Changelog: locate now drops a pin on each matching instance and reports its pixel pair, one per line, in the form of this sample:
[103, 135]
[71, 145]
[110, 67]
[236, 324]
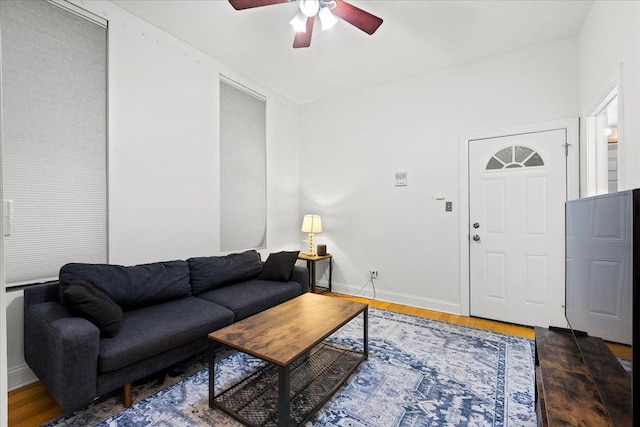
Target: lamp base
[311, 252]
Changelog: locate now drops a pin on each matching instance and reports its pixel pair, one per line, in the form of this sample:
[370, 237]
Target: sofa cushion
[135, 286]
[85, 300]
[150, 331]
[214, 272]
[279, 266]
[248, 298]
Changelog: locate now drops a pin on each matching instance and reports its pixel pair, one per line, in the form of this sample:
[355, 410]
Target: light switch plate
[401, 179]
[448, 206]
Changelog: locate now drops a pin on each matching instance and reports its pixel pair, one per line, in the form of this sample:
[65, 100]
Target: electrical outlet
[373, 274]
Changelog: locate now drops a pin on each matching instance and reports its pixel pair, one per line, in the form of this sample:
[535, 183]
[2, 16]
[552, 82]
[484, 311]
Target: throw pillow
[85, 300]
[279, 266]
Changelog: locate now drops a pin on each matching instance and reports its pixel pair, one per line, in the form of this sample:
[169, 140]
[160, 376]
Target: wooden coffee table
[303, 370]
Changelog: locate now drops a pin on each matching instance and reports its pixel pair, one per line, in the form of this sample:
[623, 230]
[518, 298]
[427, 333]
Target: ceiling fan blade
[248, 4]
[304, 39]
[357, 17]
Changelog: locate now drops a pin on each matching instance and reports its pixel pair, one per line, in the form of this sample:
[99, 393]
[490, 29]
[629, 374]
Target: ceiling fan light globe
[310, 7]
[331, 4]
[327, 19]
[299, 23]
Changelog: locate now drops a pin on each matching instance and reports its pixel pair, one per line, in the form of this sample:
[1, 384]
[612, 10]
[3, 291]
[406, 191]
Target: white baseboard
[20, 376]
[398, 298]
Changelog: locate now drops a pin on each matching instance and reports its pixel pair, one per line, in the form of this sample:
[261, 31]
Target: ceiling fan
[327, 10]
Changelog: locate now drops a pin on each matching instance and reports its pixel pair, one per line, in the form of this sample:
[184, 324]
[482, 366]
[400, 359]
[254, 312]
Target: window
[514, 157]
[54, 138]
[243, 190]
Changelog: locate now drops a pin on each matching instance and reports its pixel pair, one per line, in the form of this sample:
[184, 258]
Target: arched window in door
[515, 156]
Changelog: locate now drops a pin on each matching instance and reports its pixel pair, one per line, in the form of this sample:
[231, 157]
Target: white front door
[517, 190]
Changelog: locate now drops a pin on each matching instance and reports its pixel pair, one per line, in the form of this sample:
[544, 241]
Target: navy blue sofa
[168, 308]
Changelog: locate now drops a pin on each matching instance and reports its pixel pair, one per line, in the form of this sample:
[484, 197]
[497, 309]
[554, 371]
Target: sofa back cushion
[208, 273]
[134, 286]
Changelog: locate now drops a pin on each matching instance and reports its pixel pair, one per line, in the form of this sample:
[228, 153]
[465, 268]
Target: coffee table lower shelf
[315, 377]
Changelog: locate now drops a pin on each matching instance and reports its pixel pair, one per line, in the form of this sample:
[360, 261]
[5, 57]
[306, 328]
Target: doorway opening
[604, 145]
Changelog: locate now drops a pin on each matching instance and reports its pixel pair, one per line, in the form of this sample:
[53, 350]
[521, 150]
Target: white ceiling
[416, 36]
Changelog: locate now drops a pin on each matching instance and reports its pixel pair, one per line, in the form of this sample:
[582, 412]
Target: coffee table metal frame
[284, 374]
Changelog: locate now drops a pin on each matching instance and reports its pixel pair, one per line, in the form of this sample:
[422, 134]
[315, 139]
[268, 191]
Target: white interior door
[517, 190]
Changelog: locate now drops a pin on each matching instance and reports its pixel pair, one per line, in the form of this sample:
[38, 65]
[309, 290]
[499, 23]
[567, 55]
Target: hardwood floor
[474, 322]
[31, 405]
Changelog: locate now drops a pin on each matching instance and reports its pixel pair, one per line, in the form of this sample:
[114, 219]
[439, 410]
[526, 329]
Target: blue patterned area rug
[420, 372]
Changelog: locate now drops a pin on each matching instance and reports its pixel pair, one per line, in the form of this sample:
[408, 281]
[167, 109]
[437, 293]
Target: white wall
[164, 157]
[610, 37]
[4, 377]
[18, 372]
[164, 147]
[356, 142]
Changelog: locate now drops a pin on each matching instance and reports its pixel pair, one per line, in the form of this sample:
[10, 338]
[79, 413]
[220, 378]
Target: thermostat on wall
[401, 179]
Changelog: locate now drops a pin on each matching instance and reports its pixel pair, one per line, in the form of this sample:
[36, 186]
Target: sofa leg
[128, 399]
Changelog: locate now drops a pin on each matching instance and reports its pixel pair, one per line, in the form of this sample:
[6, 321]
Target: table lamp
[311, 224]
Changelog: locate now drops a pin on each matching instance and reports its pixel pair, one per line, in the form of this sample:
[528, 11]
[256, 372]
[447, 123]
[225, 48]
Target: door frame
[591, 156]
[572, 129]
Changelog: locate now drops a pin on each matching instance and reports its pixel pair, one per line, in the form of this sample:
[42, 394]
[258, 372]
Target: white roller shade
[243, 190]
[54, 138]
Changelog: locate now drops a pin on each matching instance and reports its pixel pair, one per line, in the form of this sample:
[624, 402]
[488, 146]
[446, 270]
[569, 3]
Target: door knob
[476, 238]
[476, 225]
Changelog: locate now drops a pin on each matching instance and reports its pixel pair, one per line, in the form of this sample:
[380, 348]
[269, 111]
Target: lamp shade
[312, 224]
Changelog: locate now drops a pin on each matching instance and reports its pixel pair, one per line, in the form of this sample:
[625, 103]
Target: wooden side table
[311, 266]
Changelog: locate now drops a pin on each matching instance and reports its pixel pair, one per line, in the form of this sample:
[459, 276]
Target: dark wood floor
[31, 405]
